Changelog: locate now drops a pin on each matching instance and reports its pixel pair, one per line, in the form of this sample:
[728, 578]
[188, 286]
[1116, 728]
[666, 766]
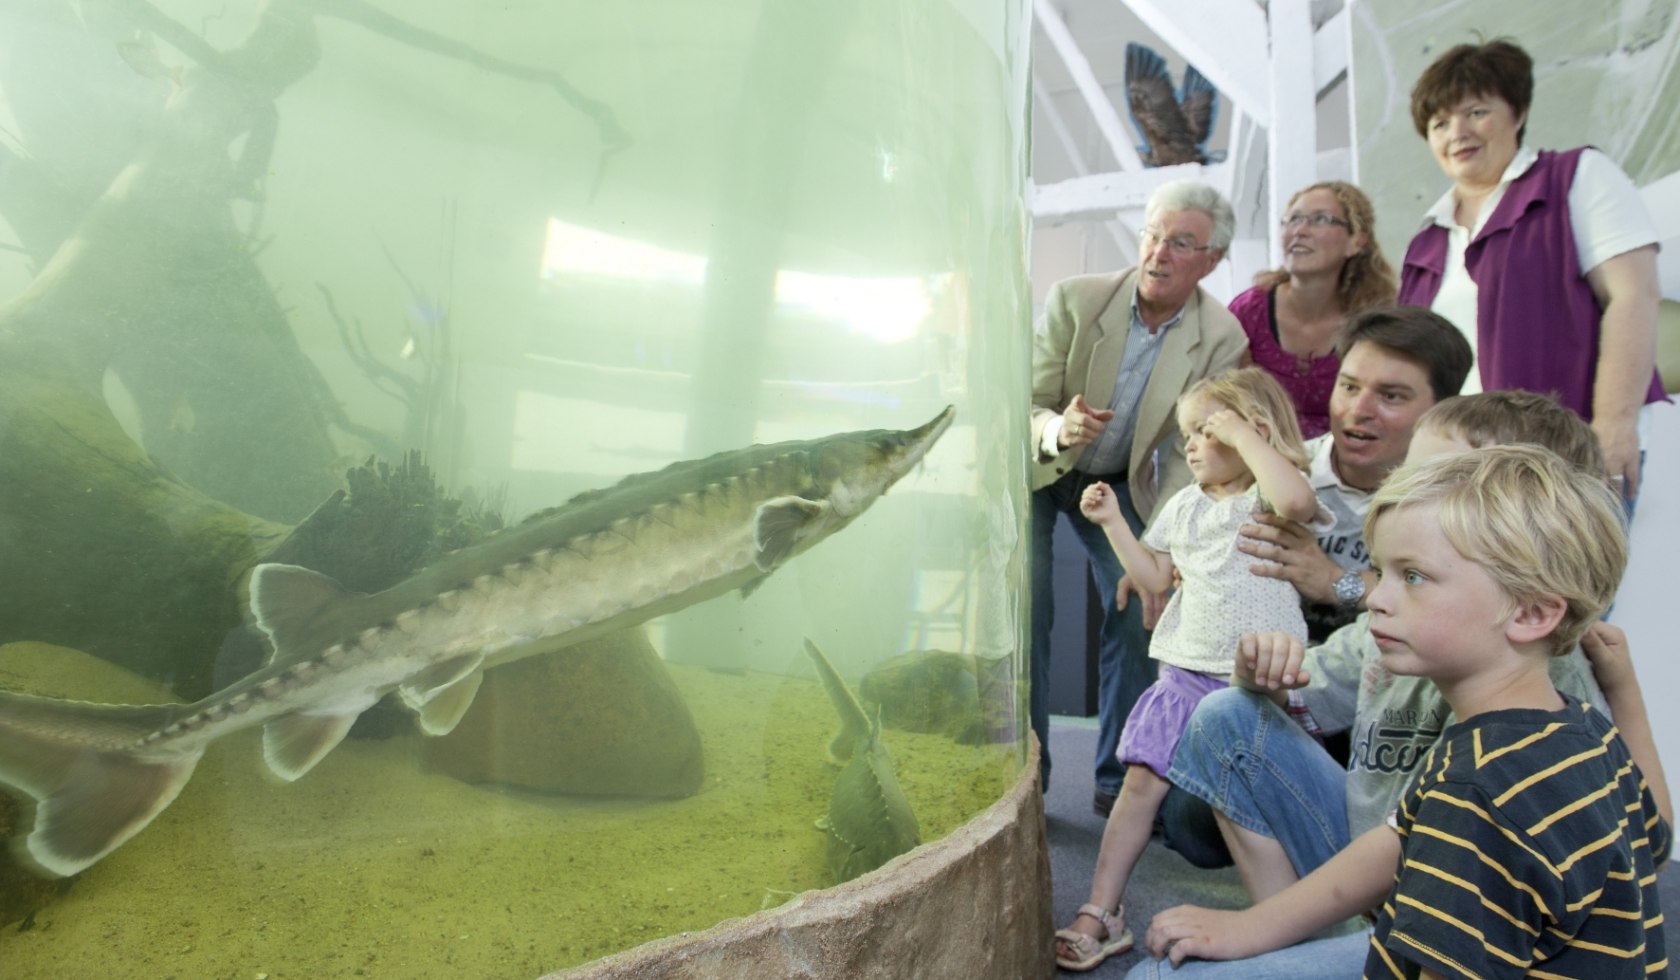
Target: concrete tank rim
[900, 876]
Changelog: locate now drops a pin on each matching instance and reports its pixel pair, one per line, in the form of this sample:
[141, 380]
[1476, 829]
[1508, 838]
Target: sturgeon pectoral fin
[777, 526]
[427, 684]
[293, 743]
[442, 708]
[443, 692]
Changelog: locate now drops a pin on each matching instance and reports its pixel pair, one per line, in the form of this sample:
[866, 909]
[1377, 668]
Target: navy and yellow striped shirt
[1529, 848]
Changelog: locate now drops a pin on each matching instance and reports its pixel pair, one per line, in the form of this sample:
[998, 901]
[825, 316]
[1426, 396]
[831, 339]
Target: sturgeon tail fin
[855, 729]
[92, 788]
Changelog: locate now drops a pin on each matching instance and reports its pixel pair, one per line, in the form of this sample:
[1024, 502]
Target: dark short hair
[1417, 334]
[1494, 68]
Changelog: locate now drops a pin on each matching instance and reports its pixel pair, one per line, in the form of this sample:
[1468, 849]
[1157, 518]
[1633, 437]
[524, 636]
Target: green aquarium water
[380, 384]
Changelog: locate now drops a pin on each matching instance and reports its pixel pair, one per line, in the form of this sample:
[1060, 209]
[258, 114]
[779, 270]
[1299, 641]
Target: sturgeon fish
[869, 820]
[607, 559]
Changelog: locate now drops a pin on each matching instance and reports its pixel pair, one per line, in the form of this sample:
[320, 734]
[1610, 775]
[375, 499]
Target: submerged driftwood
[144, 241]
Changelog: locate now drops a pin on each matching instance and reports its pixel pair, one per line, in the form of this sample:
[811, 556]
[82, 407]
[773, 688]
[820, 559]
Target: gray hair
[1190, 195]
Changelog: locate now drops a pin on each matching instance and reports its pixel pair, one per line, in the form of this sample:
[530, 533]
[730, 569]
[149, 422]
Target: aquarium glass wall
[543, 476]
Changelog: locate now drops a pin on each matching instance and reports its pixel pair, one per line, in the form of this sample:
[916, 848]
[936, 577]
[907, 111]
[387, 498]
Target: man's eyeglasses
[1317, 219]
[1181, 245]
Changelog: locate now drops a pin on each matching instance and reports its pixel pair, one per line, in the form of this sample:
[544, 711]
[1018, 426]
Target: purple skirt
[1160, 716]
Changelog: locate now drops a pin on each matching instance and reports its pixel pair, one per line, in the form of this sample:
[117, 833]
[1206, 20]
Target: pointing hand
[1082, 424]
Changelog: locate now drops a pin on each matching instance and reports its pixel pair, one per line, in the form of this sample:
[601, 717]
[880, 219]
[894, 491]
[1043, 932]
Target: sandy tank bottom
[371, 866]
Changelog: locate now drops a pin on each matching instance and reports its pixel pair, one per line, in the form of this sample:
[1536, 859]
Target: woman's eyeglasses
[1317, 219]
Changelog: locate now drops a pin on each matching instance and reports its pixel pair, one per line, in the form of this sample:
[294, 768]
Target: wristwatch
[1350, 588]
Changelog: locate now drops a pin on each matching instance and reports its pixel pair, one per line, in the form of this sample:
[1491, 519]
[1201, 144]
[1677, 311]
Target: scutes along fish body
[612, 558]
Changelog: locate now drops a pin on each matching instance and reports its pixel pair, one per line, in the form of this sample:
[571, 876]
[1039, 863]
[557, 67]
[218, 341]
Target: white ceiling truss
[1271, 64]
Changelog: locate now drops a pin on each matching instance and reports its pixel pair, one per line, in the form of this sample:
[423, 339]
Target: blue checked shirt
[1112, 452]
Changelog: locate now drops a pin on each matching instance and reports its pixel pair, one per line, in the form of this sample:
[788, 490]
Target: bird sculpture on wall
[1175, 125]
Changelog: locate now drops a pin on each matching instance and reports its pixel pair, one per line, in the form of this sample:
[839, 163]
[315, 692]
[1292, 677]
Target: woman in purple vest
[1332, 269]
[1546, 260]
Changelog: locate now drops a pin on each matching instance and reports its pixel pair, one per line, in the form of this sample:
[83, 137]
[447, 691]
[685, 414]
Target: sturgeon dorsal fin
[855, 729]
[777, 526]
[287, 600]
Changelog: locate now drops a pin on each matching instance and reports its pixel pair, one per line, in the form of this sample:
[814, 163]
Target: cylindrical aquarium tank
[546, 477]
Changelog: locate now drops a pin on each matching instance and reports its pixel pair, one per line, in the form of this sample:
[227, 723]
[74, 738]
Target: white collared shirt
[1605, 210]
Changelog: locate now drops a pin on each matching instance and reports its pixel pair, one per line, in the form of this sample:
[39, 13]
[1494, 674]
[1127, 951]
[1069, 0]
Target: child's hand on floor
[1188, 931]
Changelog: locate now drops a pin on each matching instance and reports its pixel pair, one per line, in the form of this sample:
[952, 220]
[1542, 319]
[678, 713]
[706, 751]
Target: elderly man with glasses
[1110, 357]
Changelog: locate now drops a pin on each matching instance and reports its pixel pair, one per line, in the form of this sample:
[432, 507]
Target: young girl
[1244, 449]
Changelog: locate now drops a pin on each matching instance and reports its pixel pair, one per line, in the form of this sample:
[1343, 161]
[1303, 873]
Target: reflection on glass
[887, 309]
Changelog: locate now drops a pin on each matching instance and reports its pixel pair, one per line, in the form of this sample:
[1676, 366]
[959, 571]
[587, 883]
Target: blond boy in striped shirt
[1528, 844]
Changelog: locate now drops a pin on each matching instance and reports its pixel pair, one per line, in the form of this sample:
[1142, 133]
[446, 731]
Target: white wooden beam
[1292, 161]
[1336, 163]
[1120, 144]
[1250, 251]
[1230, 171]
[1104, 195]
[1221, 39]
[1331, 45]
[1050, 114]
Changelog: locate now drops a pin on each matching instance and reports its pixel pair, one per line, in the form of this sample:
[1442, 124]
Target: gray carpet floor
[1162, 879]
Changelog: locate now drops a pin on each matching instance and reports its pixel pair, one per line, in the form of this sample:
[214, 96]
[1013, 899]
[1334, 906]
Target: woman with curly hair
[1332, 269]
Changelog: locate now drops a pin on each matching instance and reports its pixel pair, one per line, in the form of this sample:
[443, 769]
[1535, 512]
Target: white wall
[1645, 606]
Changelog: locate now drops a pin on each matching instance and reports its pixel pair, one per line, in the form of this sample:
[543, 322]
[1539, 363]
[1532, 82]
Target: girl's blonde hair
[1254, 394]
[1366, 279]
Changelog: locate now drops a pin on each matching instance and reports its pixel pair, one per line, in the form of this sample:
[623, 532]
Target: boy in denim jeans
[1283, 805]
[1530, 837]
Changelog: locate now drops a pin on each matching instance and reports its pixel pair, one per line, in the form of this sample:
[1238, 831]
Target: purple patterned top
[1308, 382]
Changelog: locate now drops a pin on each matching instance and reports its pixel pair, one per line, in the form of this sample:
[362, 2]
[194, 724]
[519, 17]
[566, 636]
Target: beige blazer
[1077, 348]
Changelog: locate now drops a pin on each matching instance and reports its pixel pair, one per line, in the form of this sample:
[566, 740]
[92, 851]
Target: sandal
[1090, 951]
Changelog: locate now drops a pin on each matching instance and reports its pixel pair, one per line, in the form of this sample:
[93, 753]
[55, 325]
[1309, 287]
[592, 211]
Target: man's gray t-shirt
[1393, 721]
[1343, 540]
